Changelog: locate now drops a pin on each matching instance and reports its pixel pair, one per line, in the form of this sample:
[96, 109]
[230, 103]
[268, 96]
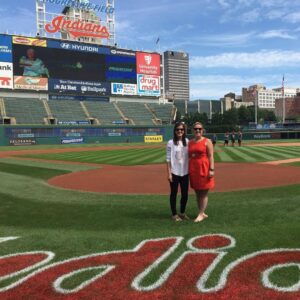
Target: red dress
[199, 166]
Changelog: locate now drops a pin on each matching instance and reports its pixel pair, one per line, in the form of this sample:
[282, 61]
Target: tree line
[232, 119]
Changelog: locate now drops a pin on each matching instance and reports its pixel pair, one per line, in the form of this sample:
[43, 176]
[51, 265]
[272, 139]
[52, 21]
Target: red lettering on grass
[122, 274]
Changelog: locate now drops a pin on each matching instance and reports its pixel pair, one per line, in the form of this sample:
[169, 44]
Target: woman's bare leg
[202, 201]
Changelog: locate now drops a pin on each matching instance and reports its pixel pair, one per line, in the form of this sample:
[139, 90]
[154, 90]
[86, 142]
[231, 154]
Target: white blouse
[177, 155]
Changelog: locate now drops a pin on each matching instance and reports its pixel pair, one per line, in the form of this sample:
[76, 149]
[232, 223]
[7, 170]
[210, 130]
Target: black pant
[184, 186]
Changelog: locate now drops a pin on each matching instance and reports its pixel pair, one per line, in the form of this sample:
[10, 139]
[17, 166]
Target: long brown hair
[175, 138]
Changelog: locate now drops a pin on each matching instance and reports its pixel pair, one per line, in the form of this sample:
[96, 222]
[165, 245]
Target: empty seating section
[137, 112]
[67, 110]
[25, 110]
[104, 112]
[33, 111]
[164, 112]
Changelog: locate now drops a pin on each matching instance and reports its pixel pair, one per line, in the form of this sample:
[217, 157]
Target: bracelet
[211, 169]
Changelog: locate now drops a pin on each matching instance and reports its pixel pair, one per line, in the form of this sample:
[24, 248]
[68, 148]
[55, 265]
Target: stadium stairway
[156, 120]
[104, 113]
[47, 108]
[122, 114]
[2, 108]
[137, 113]
[95, 120]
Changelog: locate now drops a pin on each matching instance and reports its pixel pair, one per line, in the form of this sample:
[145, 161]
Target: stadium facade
[72, 74]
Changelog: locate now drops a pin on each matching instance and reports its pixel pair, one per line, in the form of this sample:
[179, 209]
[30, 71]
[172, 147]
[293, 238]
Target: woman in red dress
[201, 168]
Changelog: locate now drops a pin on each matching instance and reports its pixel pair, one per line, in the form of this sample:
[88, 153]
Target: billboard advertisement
[29, 41]
[6, 75]
[148, 85]
[30, 83]
[79, 87]
[66, 45]
[153, 138]
[148, 63]
[123, 89]
[5, 48]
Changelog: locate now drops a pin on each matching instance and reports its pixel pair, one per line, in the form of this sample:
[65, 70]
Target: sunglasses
[179, 129]
[197, 128]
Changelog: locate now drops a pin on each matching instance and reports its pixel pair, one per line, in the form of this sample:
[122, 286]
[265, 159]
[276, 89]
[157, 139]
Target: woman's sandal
[176, 218]
[184, 217]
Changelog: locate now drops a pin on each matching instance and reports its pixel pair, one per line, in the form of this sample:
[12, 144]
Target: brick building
[292, 107]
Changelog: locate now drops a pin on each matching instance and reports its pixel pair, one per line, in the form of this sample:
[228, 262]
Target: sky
[231, 43]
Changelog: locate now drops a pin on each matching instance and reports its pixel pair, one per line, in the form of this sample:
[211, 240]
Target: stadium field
[149, 155]
[66, 244]
[96, 145]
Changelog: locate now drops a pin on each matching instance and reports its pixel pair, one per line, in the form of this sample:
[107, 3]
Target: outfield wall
[16, 135]
[263, 135]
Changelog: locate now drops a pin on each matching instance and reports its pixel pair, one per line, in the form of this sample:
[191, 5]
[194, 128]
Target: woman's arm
[168, 159]
[210, 154]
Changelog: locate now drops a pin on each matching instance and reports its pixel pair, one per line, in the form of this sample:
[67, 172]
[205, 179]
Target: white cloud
[216, 86]
[123, 26]
[224, 3]
[260, 59]
[293, 17]
[281, 33]
[218, 79]
[226, 39]
[246, 3]
[275, 14]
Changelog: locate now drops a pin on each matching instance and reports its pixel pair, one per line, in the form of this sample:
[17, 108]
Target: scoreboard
[72, 68]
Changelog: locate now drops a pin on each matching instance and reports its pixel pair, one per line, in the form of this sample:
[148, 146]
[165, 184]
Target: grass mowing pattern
[295, 164]
[72, 223]
[34, 172]
[138, 156]
[9, 148]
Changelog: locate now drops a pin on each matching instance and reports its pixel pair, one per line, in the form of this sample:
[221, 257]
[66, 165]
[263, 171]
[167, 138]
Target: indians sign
[77, 28]
[122, 274]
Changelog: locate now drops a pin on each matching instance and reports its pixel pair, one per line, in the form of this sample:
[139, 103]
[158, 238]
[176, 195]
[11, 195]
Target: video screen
[120, 69]
[58, 63]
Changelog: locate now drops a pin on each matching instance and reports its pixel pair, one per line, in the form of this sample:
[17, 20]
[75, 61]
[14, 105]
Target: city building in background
[208, 107]
[232, 100]
[289, 106]
[176, 76]
[265, 97]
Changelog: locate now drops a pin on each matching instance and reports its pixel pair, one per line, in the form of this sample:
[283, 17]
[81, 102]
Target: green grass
[296, 164]
[33, 172]
[58, 146]
[72, 223]
[157, 155]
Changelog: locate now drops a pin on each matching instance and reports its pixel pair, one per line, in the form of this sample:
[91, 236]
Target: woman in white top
[177, 167]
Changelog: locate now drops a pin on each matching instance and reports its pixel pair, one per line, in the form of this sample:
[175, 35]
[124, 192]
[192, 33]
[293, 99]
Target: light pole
[256, 104]
[283, 102]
